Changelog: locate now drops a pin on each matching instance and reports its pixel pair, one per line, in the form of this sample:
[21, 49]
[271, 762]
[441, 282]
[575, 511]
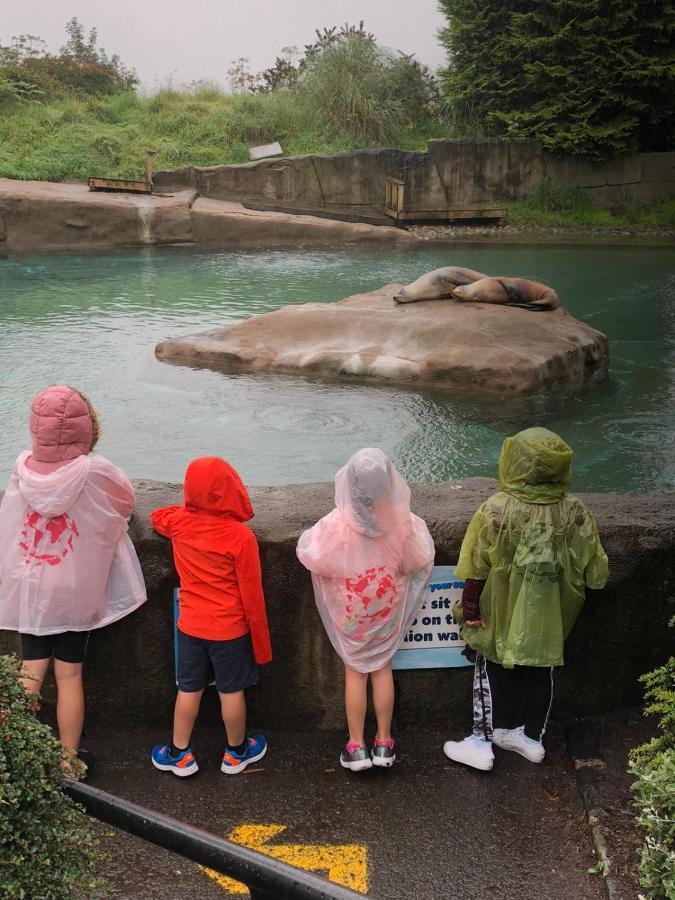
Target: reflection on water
[93, 320]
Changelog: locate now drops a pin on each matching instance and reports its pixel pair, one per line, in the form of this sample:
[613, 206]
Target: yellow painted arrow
[345, 864]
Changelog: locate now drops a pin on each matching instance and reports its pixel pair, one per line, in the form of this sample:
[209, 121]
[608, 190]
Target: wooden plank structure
[397, 207]
[123, 184]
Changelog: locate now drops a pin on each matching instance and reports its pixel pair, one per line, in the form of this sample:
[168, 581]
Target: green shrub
[555, 197]
[654, 766]
[348, 86]
[47, 848]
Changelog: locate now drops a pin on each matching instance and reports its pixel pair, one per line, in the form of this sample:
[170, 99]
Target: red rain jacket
[216, 555]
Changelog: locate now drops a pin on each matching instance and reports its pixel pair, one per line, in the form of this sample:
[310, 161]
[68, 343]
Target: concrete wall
[621, 632]
[449, 173]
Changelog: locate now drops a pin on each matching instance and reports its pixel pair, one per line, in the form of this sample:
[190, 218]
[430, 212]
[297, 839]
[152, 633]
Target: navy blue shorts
[231, 662]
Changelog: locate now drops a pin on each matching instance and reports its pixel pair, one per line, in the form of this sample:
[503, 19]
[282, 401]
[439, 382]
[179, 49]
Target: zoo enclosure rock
[441, 343]
[129, 669]
[37, 215]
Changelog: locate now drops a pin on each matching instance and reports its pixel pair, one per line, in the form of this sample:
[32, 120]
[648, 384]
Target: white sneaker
[471, 751]
[515, 739]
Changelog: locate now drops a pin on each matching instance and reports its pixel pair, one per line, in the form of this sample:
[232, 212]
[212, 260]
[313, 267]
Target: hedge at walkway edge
[654, 766]
[47, 843]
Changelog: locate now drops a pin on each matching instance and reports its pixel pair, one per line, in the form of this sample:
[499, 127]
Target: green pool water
[93, 321]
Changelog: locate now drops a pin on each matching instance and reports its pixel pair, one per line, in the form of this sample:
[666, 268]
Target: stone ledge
[37, 215]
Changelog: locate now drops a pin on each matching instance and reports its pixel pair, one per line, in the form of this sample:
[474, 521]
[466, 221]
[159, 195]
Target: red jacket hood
[213, 486]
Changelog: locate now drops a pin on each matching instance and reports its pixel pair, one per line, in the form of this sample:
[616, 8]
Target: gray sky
[198, 39]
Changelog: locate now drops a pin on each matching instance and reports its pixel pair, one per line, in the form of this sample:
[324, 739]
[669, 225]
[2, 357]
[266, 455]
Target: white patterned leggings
[511, 698]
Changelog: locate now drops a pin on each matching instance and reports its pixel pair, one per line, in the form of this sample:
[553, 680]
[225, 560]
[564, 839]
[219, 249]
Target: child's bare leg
[356, 684]
[184, 715]
[33, 672]
[233, 710]
[69, 702]
[383, 700]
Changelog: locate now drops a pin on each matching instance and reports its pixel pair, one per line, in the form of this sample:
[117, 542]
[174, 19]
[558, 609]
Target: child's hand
[476, 623]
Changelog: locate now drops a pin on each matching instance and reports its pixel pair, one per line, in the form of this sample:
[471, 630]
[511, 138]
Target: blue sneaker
[233, 763]
[182, 765]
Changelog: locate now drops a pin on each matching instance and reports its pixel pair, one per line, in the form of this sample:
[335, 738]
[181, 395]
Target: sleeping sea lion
[510, 292]
[437, 285]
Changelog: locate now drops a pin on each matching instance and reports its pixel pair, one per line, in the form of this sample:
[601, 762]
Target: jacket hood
[213, 486]
[535, 466]
[53, 494]
[60, 424]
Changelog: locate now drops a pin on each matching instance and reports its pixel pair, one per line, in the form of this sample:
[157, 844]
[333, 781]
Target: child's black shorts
[231, 662]
[69, 646]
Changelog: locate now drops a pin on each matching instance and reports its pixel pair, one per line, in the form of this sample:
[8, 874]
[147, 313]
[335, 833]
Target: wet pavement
[428, 828]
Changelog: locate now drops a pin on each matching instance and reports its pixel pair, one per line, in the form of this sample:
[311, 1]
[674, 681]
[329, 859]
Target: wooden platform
[119, 184]
[397, 207]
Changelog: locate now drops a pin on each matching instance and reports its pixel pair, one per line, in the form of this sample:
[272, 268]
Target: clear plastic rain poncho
[370, 559]
[537, 548]
[66, 560]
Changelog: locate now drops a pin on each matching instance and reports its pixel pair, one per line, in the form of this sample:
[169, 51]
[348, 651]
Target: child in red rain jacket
[222, 623]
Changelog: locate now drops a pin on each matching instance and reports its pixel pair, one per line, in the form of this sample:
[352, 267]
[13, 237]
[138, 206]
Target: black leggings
[69, 646]
[509, 698]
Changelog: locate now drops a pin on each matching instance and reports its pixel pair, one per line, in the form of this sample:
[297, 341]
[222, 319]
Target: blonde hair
[95, 421]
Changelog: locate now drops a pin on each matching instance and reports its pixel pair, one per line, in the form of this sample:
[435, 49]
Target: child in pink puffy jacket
[67, 564]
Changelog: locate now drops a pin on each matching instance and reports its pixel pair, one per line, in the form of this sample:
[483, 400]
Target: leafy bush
[47, 848]
[81, 68]
[654, 766]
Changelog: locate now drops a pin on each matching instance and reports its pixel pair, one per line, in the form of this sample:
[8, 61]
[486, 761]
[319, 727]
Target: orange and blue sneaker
[254, 749]
[183, 764]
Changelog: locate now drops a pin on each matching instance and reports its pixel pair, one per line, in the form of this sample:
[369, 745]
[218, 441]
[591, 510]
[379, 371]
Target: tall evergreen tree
[587, 77]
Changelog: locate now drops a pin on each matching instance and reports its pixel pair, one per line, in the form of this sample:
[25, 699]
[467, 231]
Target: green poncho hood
[535, 466]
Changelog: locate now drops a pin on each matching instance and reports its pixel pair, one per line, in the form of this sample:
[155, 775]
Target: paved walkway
[428, 828]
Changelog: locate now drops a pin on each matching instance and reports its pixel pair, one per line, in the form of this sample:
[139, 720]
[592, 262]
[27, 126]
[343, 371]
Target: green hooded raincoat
[538, 550]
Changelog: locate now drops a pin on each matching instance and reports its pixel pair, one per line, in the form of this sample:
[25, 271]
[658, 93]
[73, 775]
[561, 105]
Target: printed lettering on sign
[433, 639]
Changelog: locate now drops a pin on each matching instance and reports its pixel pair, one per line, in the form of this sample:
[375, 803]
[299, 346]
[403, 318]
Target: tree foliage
[587, 77]
[80, 69]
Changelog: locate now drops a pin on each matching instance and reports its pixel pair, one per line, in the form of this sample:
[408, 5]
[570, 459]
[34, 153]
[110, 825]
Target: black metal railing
[266, 879]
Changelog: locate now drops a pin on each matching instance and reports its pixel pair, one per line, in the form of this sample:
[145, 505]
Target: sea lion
[437, 285]
[510, 292]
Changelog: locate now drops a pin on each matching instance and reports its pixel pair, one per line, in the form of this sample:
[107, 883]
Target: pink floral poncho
[370, 559]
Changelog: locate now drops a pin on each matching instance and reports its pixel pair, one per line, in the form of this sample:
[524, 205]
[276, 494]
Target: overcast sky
[187, 41]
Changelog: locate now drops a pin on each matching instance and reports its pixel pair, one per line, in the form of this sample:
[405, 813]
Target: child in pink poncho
[67, 565]
[370, 560]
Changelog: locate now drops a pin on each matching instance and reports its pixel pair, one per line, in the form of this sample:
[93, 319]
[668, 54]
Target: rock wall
[621, 632]
[450, 173]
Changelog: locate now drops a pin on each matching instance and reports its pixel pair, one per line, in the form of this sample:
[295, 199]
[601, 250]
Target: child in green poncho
[528, 555]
